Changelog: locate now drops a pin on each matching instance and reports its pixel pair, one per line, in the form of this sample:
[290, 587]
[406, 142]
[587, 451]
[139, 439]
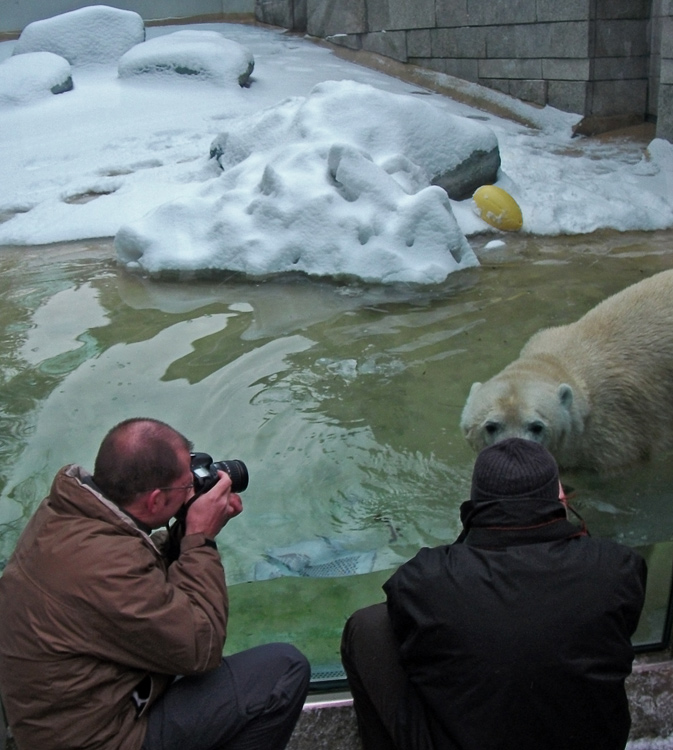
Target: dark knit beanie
[514, 469]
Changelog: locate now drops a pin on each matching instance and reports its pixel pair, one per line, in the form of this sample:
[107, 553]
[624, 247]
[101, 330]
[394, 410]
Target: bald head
[136, 456]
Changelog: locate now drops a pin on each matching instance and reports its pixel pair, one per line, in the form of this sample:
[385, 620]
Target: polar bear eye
[536, 428]
[491, 428]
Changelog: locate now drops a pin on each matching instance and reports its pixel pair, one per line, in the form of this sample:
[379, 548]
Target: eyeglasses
[189, 486]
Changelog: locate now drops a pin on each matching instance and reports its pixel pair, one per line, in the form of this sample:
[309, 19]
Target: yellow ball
[498, 208]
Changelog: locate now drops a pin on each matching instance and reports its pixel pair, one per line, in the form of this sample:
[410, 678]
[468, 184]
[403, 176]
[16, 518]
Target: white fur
[598, 392]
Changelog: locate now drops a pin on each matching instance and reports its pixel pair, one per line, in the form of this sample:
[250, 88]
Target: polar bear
[598, 393]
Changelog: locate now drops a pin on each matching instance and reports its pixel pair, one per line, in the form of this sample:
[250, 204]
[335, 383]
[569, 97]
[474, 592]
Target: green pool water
[342, 398]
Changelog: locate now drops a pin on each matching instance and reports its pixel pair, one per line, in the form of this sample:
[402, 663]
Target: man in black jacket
[515, 637]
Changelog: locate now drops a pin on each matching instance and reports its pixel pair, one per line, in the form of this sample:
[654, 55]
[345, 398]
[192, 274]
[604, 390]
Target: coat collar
[505, 523]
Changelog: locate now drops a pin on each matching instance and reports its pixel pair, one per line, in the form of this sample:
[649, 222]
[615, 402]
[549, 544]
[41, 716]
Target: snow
[327, 167]
[33, 76]
[206, 54]
[327, 192]
[97, 34]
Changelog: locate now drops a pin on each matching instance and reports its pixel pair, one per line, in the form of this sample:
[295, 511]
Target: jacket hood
[74, 492]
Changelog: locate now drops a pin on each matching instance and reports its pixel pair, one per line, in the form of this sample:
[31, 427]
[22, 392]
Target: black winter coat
[517, 637]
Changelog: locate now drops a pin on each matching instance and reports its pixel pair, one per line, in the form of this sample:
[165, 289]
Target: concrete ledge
[650, 691]
[326, 723]
[328, 720]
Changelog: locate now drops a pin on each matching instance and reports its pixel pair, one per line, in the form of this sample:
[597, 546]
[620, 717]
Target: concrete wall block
[438, 64]
[566, 70]
[621, 39]
[665, 112]
[377, 14]
[568, 39]
[450, 13]
[299, 15]
[419, 43]
[666, 72]
[570, 96]
[419, 14]
[468, 70]
[497, 84]
[666, 49]
[386, 15]
[653, 98]
[618, 68]
[530, 91]
[329, 18]
[461, 42]
[510, 68]
[388, 43]
[483, 13]
[275, 12]
[350, 41]
[655, 38]
[568, 10]
[622, 9]
[618, 98]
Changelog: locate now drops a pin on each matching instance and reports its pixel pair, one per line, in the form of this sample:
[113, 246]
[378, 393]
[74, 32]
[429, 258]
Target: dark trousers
[251, 702]
[370, 655]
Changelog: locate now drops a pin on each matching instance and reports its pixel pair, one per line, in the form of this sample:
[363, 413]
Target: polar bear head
[514, 405]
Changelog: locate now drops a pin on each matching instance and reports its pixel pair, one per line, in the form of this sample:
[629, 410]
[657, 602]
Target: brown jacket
[89, 611]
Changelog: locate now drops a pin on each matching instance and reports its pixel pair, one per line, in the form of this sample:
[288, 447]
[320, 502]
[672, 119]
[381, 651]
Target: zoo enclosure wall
[608, 60]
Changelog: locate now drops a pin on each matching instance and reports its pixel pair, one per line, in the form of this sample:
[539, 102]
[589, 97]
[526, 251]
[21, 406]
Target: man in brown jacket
[105, 645]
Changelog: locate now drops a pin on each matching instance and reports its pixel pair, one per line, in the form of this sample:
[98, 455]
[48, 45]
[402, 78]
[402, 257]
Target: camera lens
[238, 472]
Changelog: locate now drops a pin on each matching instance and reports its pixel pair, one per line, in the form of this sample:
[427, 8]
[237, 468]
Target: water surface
[342, 398]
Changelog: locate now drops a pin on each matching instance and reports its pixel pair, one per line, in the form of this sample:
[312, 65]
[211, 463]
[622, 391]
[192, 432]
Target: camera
[204, 471]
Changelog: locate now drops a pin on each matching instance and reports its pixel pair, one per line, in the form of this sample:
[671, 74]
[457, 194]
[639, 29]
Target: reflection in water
[343, 400]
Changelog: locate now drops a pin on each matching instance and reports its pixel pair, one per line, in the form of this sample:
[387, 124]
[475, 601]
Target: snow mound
[33, 76]
[382, 124]
[208, 55]
[96, 34]
[317, 185]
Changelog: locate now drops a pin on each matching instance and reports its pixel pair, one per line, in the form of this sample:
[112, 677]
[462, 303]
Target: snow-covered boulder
[207, 55]
[334, 184]
[453, 152]
[96, 34]
[33, 76]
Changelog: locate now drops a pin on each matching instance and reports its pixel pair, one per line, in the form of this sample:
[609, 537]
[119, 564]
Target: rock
[479, 168]
[206, 55]
[32, 76]
[93, 35]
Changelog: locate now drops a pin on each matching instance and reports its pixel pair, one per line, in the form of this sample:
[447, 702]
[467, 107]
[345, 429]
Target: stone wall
[661, 67]
[609, 60]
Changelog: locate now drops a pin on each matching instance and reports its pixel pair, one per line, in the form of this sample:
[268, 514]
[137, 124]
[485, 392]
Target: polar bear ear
[475, 387]
[565, 395]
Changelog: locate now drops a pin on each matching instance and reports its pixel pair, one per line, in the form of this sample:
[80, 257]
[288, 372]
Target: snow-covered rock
[97, 34]
[453, 152]
[32, 76]
[334, 184]
[207, 55]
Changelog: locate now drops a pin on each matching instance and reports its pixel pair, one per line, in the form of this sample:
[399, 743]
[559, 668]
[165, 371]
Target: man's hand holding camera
[212, 510]
[215, 501]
